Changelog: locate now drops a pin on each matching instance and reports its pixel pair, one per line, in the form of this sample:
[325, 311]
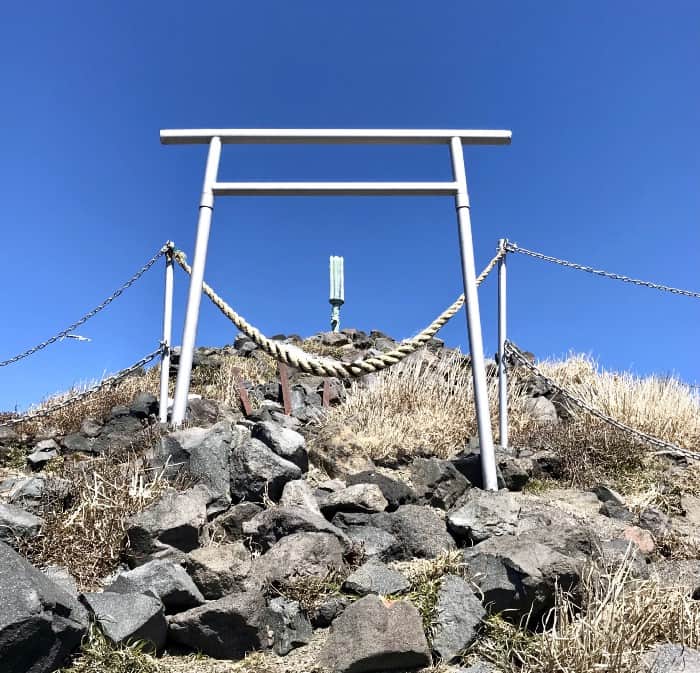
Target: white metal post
[206, 206]
[476, 346]
[502, 376]
[167, 336]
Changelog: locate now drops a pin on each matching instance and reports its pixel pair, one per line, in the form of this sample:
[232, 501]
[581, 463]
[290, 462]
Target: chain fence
[513, 247]
[109, 381]
[65, 332]
[514, 352]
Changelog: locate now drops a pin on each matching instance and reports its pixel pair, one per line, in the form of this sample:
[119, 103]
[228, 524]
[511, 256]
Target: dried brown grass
[97, 405]
[617, 619]
[427, 408]
[84, 528]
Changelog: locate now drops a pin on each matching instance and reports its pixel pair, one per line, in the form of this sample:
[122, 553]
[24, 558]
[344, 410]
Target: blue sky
[602, 99]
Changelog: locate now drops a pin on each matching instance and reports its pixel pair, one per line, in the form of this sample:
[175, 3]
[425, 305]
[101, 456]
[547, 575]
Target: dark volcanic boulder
[395, 492]
[165, 579]
[40, 624]
[225, 629]
[126, 618]
[299, 555]
[420, 531]
[256, 470]
[205, 454]
[437, 482]
[173, 522]
[458, 617]
[273, 524]
[374, 635]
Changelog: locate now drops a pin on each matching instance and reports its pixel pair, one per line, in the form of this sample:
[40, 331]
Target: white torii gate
[457, 188]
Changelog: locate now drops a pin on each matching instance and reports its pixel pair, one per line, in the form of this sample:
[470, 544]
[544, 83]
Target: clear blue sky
[602, 98]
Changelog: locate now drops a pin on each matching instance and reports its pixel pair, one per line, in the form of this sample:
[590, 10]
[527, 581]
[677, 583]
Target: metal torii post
[457, 188]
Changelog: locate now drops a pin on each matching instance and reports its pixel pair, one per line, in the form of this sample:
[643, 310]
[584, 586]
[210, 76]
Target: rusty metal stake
[286, 392]
[242, 391]
[326, 393]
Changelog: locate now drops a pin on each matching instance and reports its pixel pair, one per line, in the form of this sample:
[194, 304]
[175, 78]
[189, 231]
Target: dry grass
[221, 384]
[427, 408]
[410, 409]
[98, 405]
[84, 528]
[99, 655]
[617, 620]
[664, 407]
[425, 576]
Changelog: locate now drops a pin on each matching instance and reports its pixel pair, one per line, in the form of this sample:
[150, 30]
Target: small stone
[90, 427]
[375, 542]
[655, 521]
[77, 443]
[483, 514]
[273, 524]
[540, 410]
[375, 578]
[420, 531]
[437, 482]
[458, 617]
[396, 493]
[144, 405]
[607, 494]
[641, 538]
[286, 443]
[220, 570]
[288, 626]
[231, 522]
[63, 579]
[615, 511]
[17, 523]
[298, 493]
[299, 555]
[225, 629]
[356, 498]
[672, 658]
[256, 470]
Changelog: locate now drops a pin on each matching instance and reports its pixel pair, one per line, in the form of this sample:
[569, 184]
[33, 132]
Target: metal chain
[327, 366]
[512, 247]
[512, 350]
[164, 250]
[110, 380]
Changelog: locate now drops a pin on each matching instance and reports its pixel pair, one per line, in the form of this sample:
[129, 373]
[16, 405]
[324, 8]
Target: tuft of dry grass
[84, 529]
[99, 655]
[618, 618]
[662, 406]
[425, 577]
[220, 383]
[412, 408]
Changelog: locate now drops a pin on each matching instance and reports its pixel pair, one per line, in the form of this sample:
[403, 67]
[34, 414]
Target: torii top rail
[454, 138]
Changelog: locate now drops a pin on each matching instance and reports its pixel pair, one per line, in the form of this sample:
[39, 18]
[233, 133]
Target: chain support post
[476, 345]
[502, 335]
[167, 334]
[206, 207]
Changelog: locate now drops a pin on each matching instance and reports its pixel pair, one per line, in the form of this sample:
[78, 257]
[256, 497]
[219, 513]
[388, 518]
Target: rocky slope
[259, 538]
